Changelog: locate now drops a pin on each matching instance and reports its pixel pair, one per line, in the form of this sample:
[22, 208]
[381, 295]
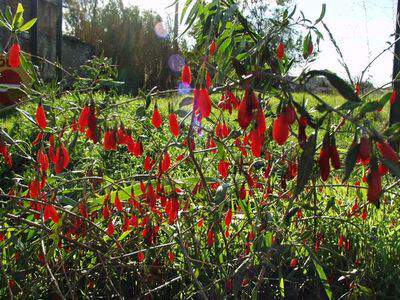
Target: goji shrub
[239, 190]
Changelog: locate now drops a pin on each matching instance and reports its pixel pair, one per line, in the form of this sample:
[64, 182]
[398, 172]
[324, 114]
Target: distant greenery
[127, 36]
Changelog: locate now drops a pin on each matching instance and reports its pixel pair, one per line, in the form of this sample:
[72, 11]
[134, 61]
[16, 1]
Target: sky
[362, 29]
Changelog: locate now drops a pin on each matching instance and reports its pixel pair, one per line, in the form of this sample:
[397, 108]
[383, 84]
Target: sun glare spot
[160, 30]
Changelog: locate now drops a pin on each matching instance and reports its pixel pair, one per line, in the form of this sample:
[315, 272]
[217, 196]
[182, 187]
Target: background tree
[127, 35]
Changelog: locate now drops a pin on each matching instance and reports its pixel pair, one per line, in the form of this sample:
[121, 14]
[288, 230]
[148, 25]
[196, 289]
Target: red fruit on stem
[294, 262]
[204, 103]
[232, 99]
[61, 159]
[223, 167]
[110, 140]
[14, 56]
[110, 228]
[166, 162]
[260, 121]
[334, 156]
[156, 119]
[43, 161]
[208, 80]
[257, 140]
[365, 149]
[117, 202]
[210, 238]
[186, 75]
[374, 181]
[50, 213]
[280, 52]
[358, 89]
[280, 130]
[41, 117]
[83, 118]
[393, 97]
[212, 48]
[171, 256]
[388, 153]
[140, 256]
[106, 212]
[245, 112]
[173, 124]
[228, 218]
[148, 164]
[290, 114]
[323, 162]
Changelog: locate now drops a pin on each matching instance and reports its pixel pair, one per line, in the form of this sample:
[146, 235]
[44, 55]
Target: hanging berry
[14, 56]
[50, 213]
[186, 75]
[280, 51]
[204, 103]
[156, 119]
[245, 112]
[374, 181]
[223, 168]
[213, 47]
[117, 202]
[280, 129]
[393, 97]
[41, 117]
[173, 125]
[208, 80]
[323, 161]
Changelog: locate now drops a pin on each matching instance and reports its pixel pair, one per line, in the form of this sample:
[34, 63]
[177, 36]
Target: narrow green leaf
[393, 167]
[148, 101]
[17, 17]
[306, 164]
[282, 287]
[350, 161]
[322, 15]
[338, 83]
[324, 280]
[28, 25]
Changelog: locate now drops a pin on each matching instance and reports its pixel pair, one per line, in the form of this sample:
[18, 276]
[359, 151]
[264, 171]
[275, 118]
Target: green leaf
[148, 101]
[324, 280]
[350, 105]
[109, 83]
[186, 101]
[28, 25]
[392, 129]
[282, 287]
[350, 161]
[338, 83]
[181, 113]
[124, 235]
[393, 167]
[4, 24]
[17, 17]
[140, 112]
[370, 107]
[306, 164]
[26, 115]
[322, 15]
[307, 43]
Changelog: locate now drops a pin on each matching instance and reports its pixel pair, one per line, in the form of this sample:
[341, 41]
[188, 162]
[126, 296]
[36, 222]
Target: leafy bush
[238, 189]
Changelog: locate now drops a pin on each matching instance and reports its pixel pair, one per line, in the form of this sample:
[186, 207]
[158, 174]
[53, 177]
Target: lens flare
[176, 63]
[160, 30]
[184, 88]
